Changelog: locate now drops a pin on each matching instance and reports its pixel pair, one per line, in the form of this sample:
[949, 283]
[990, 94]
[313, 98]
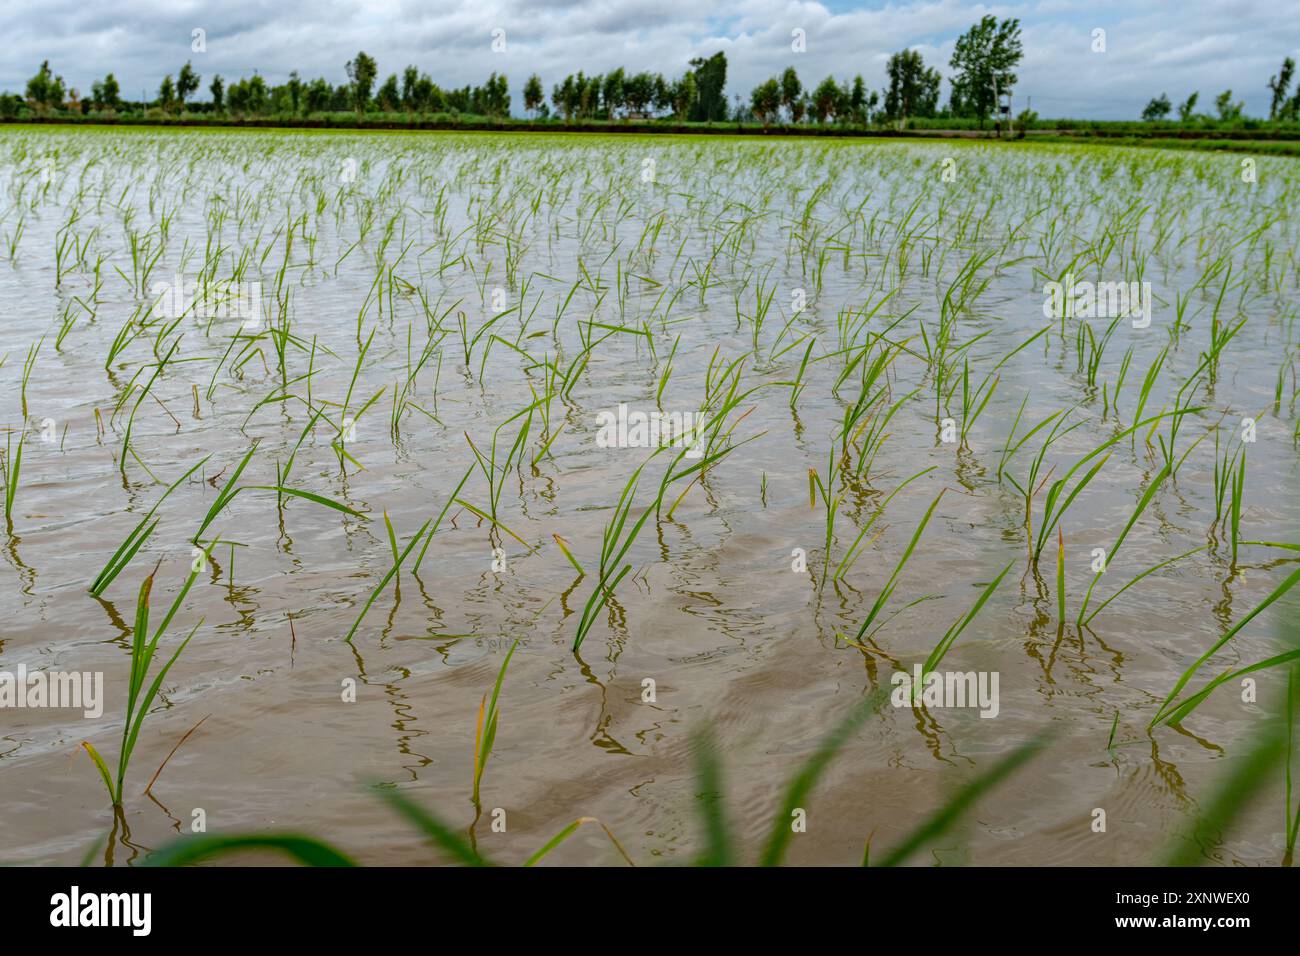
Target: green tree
[791, 91]
[639, 93]
[218, 89]
[983, 63]
[534, 96]
[710, 103]
[684, 96]
[1157, 109]
[166, 92]
[187, 84]
[1228, 111]
[389, 97]
[825, 99]
[410, 77]
[1278, 85]
[765, 101]
[913, 89]
[106, 94]
[295, 90]
[317, 96]
[45, 91]
[611, 91]
[1186, 106]
[361, 80]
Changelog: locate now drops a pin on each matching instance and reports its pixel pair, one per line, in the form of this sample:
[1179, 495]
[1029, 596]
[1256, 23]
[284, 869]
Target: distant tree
[858, 101]
[765, 101]
[984, 62]
[187, 84]
[218, 89]
[45, 91]
[1279, 85]
[791, 89]
[825, 99]
[106, 94]
[913, 89]
[493, 98]
[410, 77]
[563, 98]
[295, 90]
[361, 80]
[639, 93]
[710, 82]
[663, 98]
[685, 92]
[388, 97]
[534, 96]
[1157, 109]
[612, 92]
[10, 105]
[589, 97]
[166, 92]
[1186, 106]
[1228, 110]
[317, 96]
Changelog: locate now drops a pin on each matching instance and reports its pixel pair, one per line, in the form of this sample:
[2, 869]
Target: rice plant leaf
[943, 818]
[196, 849]
[811, 770]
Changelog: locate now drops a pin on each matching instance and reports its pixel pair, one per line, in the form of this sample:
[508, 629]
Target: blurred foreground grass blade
[812, 769]
[949, 813]
[437, 831]
[709, 794]
[195, 849]
[1237, 789]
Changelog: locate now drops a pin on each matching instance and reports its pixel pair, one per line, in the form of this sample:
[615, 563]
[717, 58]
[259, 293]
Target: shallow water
[712, 611]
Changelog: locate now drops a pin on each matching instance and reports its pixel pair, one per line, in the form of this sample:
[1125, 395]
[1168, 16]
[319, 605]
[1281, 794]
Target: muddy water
[715, 612]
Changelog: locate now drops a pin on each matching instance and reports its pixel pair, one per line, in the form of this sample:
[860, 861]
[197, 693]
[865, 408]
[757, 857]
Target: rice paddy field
[315, 450]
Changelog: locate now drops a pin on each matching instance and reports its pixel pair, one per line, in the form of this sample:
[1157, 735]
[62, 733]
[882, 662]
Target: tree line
[982, 78]
[1282, 107]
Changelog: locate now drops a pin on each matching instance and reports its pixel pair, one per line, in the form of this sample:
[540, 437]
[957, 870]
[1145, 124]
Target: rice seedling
[809, 326]
[140, 698]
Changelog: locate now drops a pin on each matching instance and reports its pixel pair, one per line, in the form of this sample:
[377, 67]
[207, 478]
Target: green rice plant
[951, 811]
[1055, 506]
[485, 732]
[190, 850]
[950, 636]
[28, 364]
[1060, 575]
[888, 590]
[139, 699]
[1238, 489]
[855, 550]
[137, 538]
[12, 469]
[1145, 500]
[1083, 619]
[1172, 710]
[1235, 791]
[1292, 820]
[232, 487]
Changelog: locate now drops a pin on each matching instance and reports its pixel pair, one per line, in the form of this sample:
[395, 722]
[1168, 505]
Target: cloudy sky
[1150, 46]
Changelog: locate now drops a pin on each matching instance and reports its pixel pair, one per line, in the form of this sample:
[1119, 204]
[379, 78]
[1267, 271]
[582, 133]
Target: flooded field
[494, 471]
